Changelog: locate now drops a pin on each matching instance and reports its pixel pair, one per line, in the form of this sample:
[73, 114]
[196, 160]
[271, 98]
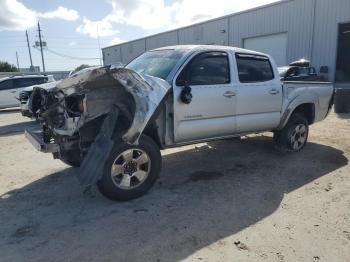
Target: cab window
[210, 68]
[254, 68]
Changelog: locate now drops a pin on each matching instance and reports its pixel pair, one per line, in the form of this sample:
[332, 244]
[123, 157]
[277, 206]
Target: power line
[72, 57]
[69, 56]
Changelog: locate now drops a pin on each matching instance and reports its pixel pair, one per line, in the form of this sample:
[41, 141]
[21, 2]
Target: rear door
[259, 96]
[211, 113]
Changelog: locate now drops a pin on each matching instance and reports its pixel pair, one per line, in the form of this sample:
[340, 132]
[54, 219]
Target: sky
[75, 30]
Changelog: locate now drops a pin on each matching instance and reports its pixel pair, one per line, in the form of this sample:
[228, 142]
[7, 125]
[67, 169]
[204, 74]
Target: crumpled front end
[75, 102]
[81, 116]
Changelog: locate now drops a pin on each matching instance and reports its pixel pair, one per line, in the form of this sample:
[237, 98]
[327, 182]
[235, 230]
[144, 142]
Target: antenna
[17, 61]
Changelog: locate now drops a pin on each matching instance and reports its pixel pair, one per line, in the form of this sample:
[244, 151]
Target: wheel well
[308, 110]
[152, 132]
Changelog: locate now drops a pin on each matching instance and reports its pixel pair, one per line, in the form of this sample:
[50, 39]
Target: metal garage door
[274, 45]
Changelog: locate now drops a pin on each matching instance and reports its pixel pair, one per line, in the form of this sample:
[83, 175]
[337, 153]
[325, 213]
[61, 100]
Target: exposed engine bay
[74, 113]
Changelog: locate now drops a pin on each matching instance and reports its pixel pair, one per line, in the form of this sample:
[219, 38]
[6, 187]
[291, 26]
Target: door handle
[274, 92]
[229, 94]
[12, 92]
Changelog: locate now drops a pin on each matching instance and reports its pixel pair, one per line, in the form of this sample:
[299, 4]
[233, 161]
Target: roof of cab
[209, 48]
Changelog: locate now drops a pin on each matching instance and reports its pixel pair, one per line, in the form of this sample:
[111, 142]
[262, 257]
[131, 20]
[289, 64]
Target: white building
[318, 30]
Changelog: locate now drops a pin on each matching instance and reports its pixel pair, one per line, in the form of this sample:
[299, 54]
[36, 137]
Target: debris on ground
[241, 246]
[329, 187]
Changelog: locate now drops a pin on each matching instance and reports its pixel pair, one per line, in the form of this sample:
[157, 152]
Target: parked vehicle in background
[113, 122]
[10, 87]
[27, 92]
[299, 71]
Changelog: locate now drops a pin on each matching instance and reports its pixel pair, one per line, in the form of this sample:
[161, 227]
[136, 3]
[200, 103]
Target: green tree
[82, 66]
[7, 67]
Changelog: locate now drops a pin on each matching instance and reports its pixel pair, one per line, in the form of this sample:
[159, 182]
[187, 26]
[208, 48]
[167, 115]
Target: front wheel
[293, 136]
[130, 171]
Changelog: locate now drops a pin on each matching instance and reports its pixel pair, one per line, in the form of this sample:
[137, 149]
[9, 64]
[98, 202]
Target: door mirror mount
[186, 93]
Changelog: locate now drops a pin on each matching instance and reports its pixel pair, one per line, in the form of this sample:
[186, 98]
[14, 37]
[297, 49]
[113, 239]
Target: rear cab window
[254, 68]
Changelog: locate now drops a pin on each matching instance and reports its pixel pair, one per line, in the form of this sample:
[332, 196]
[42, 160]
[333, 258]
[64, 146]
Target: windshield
[156, 63]
[282, 70]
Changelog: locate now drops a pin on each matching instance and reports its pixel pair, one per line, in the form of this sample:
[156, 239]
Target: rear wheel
[293, 136]
[130, 171]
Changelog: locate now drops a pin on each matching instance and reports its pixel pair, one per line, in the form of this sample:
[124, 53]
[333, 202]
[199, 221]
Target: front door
[211, 112]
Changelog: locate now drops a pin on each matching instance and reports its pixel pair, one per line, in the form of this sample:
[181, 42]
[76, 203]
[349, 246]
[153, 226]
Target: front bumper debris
[36, 139]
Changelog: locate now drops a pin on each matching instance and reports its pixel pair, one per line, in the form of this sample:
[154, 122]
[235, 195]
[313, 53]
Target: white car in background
[27, 92]
[10, 87]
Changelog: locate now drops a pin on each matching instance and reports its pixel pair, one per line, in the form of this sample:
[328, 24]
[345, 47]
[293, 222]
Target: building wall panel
[132, 49]
[311, 27]
[291, 17]
[112, 55]
[166, 39]
[213, 32]
[328, 15]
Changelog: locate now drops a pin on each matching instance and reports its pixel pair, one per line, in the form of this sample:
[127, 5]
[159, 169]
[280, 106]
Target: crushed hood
[104, 88]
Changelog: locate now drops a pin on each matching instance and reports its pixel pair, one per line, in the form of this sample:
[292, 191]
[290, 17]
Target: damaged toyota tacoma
[113, 122]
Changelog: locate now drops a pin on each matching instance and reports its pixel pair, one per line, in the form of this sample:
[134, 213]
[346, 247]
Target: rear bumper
[36, 139]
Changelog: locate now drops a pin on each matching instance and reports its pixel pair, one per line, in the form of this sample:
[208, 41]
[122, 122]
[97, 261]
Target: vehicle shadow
[204, 194]
[13, 129]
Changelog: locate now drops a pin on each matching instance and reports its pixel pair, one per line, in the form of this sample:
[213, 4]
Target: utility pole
[30, 53]
[41, 47]
[17, 61]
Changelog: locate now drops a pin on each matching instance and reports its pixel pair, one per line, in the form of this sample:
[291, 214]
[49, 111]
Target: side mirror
[186, 94]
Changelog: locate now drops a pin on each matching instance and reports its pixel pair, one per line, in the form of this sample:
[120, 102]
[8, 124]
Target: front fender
[104, 87]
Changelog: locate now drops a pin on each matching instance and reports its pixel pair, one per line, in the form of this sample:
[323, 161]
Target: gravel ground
[231, 200]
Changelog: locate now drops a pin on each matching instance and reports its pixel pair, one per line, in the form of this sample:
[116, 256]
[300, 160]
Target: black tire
[285, 138]
[341, 101]
[26, 113]
[71, 158]
[108, 187]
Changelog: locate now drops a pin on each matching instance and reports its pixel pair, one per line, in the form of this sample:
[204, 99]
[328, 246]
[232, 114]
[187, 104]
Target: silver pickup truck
[112, 122]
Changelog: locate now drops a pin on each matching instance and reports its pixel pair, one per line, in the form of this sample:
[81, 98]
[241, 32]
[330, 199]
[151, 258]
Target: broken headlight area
[75, 105]
[56, 111]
